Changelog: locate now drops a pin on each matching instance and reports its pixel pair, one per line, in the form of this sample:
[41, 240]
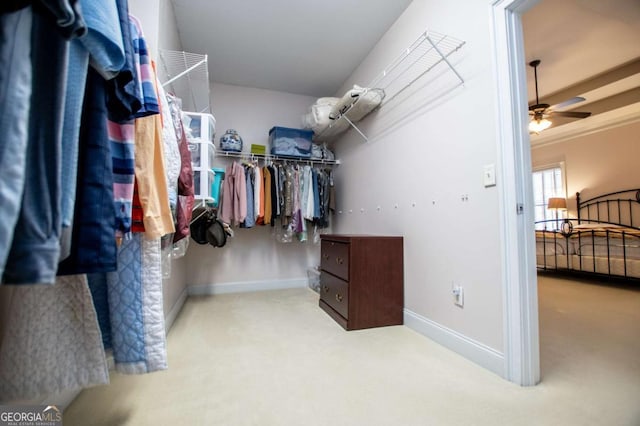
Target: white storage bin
[202, 153]
[202, 182]
[201, 131]
[200, 126]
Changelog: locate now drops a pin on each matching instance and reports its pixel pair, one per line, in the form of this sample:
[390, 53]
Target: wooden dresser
[361, 280]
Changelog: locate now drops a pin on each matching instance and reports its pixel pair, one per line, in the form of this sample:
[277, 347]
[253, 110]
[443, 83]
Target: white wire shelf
[428, 51]
[424, 54]
[268, 157]
[186, 75]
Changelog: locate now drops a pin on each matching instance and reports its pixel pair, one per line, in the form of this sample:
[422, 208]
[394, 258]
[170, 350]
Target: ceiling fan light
[536, 126]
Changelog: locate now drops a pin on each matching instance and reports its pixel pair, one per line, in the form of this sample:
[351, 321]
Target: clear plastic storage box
[200, 125]
[288, 142]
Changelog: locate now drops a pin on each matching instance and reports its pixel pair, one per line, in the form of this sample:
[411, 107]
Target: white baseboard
[175, 310]
[246, 286]
[475, 351]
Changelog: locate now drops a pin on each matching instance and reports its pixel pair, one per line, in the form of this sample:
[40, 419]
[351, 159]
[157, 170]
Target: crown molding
[608, 120]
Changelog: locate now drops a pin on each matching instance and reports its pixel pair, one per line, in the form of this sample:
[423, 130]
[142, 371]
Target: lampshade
[538, 125]
[557, 203]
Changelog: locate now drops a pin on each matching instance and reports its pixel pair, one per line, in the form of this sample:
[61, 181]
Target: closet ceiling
[303, 47]
[312, 47]
[582, 45]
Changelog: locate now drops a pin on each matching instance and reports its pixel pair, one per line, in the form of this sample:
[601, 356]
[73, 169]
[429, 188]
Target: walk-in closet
[273, 213]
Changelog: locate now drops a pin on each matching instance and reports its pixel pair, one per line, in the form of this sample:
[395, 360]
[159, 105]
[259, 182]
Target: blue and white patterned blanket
[132, 317]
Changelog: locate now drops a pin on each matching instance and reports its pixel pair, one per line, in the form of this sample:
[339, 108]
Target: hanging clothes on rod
[250, 182]
[233, 210]
[291, 197]
[95, 276]
[136, 325]
[69, 354]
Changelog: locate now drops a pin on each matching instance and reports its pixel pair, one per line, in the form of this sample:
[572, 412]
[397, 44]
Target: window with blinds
[548, 182]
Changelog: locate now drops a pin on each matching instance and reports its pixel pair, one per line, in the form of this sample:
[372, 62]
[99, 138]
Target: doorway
[520, 299]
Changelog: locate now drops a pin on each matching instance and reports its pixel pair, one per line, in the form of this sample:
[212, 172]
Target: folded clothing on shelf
[324, 116]
[357, 103]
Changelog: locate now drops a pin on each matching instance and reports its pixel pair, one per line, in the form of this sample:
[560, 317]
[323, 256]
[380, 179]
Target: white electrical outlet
[458, 295]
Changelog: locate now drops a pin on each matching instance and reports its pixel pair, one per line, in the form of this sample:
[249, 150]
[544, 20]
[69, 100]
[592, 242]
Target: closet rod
[269, 157]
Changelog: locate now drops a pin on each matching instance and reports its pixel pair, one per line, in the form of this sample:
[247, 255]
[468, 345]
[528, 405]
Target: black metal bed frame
[620, 208]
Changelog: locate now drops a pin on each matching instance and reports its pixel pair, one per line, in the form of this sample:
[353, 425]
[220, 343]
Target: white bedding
[598, 248]
[552, 261]
[586, 263]
[551, 246]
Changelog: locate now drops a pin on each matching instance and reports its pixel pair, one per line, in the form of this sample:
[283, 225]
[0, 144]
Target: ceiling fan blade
[573, 114]
[567, 103]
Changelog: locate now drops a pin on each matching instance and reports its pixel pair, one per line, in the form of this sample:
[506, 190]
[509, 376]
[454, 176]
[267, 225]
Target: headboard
[619, 208]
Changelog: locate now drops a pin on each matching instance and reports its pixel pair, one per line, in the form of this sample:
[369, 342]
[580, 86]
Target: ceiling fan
[540, 112]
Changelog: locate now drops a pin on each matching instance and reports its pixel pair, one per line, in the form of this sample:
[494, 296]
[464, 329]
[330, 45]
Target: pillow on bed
[596, 226]
[601, 228]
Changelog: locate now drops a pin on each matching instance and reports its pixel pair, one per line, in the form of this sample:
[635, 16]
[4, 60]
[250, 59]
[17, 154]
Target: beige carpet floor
[274, 358]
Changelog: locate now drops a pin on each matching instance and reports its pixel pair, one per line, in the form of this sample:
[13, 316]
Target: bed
[603, 241]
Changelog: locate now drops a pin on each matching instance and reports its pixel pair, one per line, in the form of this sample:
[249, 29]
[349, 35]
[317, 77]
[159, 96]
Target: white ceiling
[312, 47]
[303, 47]
[578, 40]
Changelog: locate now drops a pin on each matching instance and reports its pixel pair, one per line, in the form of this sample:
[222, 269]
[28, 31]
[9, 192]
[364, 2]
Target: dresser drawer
[335, 258]
[335, 293]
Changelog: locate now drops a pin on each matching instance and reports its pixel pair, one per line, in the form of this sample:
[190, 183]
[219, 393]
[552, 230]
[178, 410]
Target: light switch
[489, 175]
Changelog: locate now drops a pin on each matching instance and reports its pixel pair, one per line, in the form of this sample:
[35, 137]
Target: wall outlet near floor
[458, 295]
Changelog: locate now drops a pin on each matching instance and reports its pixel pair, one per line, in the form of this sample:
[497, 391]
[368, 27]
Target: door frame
[517, 235]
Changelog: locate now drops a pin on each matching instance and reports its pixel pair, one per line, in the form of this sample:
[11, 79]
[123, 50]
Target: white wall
[253, 255]
[425, 155]
[595, 164]
[168, 34]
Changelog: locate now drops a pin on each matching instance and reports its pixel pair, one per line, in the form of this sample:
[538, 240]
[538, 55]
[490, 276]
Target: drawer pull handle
[339, 260]
[338, 297]
[325, 288]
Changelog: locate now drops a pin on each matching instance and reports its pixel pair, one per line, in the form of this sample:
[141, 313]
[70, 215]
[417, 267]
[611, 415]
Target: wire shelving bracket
[428, 51]
[187, 76]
